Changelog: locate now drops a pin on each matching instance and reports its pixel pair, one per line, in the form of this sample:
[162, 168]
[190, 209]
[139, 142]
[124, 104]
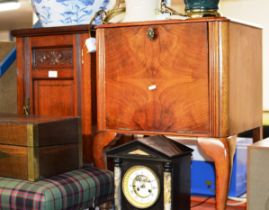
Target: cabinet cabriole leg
[101, 140]
[221, 151]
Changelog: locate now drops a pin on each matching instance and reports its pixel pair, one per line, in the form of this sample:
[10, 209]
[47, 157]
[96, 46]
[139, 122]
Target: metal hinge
[26, 107]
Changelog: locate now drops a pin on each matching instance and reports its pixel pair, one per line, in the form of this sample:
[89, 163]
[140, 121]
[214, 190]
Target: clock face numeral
[141, 186]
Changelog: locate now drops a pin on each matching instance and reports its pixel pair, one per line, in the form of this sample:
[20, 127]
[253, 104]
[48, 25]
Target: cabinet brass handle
[151, 33]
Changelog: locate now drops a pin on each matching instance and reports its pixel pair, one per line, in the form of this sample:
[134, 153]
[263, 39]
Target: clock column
[117, 183]
[167, 183]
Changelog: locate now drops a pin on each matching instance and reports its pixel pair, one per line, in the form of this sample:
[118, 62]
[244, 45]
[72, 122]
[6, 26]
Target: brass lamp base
[119, 8]
[198, 13]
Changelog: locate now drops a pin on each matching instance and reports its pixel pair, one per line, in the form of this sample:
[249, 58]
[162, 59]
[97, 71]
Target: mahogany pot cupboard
[197, 78]
[55, 76]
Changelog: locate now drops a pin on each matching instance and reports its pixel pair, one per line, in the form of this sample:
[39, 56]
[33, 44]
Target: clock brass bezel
[126, 190]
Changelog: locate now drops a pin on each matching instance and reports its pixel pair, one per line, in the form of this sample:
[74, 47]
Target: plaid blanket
[77, 189]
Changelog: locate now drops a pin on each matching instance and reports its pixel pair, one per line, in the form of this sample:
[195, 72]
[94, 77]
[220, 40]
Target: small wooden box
[35, 147]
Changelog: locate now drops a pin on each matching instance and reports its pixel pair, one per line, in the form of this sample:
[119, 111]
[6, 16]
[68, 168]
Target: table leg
[221, 151]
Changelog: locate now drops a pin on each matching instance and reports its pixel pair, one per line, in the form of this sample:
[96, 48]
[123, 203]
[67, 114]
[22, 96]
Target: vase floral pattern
[69, 12]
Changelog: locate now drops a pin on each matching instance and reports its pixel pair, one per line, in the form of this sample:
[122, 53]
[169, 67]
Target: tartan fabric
[76, 189]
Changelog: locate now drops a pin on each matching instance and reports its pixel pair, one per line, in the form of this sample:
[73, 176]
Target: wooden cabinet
[55, 75]
[196, 78]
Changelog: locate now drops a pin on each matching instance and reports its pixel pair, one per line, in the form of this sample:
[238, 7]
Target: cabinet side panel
[88, 98]
[20, 74]
[218, 89]
[216, 71]
[100, 78]
[245, 77]
[77, 58]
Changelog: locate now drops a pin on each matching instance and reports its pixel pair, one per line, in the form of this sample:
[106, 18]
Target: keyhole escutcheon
[151, 33]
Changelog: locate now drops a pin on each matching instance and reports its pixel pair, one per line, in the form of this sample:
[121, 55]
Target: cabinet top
[29, 32]
[177, 21]
[77, 29]
[160, 22]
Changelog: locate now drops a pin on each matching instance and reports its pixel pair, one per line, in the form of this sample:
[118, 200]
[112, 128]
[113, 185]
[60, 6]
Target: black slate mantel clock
[151, 173]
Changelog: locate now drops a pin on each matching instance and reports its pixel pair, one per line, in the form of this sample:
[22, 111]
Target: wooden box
[35, 147]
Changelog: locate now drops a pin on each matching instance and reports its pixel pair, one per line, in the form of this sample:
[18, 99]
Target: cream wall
[254, 12]
[4, 36]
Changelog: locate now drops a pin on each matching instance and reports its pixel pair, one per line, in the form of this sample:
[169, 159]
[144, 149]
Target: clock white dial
[141, 186]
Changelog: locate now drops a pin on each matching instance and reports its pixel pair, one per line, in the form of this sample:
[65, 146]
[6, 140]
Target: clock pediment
[149, 148]
[134, 149]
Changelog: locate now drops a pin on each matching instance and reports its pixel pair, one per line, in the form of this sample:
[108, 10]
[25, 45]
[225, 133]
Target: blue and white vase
[69, 12]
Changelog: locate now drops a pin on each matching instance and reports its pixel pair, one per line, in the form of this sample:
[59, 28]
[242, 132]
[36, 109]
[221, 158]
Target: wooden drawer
[35, 163]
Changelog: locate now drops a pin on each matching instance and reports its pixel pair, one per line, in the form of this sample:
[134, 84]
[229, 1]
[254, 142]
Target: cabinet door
[158, 83]
[53, 97]
[52, 76]
[56, 76]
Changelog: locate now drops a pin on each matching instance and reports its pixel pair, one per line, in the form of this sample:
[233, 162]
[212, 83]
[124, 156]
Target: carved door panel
[158, 83]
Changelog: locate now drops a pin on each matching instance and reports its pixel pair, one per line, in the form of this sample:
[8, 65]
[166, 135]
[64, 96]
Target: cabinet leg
[221, 150]
[101, 140]
[257, 134]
